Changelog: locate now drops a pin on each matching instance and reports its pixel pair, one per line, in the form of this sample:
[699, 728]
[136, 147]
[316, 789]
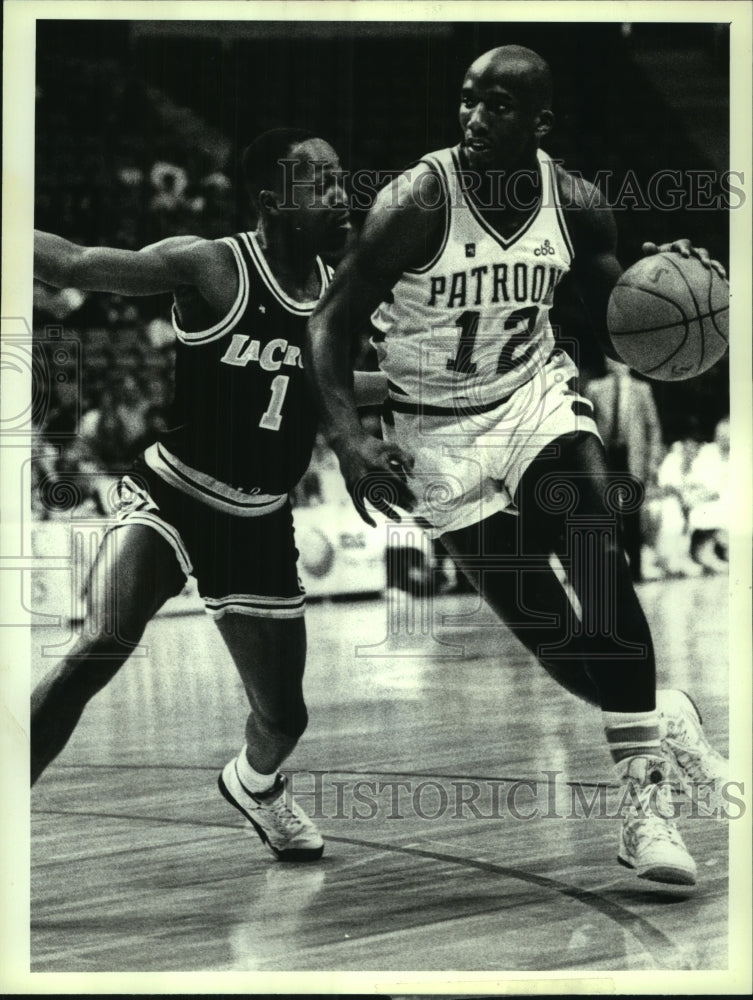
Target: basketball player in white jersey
[210, 497]
[486, 440]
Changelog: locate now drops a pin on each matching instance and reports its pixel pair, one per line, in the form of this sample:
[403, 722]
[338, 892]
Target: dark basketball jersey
[243, 422]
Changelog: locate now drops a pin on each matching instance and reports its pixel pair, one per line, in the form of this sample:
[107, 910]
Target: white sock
[253, 780]
[630, 735]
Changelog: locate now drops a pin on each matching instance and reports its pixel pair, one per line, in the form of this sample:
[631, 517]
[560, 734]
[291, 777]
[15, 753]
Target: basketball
[668, 317]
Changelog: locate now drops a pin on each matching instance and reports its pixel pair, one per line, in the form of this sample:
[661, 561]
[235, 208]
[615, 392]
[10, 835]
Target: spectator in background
[67, 475]
[130, 194]
[628, 422]
[121, 425]
[172, 209]
[43, 471]
[691, 512]
[671, 508]
[159, 334]
[158, 394]
[57, 303]
[322, 482]
[169, 182]
[218, 205]
[90, 485]
[61, 421]
[708, 519]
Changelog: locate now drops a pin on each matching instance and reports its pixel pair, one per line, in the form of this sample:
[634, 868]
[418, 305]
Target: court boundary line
[652, 940]
[608, 908]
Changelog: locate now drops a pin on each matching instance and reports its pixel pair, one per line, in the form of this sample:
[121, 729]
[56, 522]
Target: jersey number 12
[520, 325]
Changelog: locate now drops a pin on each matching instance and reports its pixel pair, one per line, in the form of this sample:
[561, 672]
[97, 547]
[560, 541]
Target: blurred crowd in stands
[104, 365]
[675, 523]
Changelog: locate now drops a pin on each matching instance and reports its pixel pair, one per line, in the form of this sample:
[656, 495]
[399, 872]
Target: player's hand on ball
[376, 471]
[668, 314]
[686, 249]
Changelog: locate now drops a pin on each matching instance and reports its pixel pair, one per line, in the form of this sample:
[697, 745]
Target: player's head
[505, 107]
[295, 181]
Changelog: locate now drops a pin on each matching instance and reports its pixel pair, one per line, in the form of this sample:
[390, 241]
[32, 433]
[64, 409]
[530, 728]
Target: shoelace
[283, 817]
[655, 803]
[694, 763]
[656, 828]
[649, 823]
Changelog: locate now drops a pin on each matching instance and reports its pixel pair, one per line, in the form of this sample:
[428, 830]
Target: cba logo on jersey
[541, 251]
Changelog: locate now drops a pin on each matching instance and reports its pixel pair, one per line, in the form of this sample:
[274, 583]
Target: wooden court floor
[447, 774]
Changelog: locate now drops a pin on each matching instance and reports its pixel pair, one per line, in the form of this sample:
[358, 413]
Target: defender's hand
[376, 471]
[686, 249]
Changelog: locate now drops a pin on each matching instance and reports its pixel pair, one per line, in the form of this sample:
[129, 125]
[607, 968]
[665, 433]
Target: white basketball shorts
[468, 464]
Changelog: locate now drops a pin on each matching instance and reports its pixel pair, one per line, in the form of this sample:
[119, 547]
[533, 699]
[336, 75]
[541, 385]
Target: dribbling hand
[686, 249]
[376, 471]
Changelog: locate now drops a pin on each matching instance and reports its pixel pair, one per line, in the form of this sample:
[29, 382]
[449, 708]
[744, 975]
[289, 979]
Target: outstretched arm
[399, 233]
[161, 267]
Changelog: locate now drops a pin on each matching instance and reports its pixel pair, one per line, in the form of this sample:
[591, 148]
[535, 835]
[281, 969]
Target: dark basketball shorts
[245, 565]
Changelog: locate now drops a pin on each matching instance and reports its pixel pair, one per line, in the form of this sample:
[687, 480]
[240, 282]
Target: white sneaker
[279, 821]
[701, 770]
[650, 843]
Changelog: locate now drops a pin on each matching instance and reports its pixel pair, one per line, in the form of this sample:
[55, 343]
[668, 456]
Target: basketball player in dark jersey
[486, 440]
[210, 498]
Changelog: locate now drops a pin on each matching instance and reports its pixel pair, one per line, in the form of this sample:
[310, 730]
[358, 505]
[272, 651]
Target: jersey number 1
[272, 417]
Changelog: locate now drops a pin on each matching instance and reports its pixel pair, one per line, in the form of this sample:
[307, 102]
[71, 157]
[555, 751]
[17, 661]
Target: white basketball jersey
[473, 325]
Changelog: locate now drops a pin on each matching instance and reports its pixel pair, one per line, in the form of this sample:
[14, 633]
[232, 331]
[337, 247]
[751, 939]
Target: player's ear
[544, 123]
[268, 202]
